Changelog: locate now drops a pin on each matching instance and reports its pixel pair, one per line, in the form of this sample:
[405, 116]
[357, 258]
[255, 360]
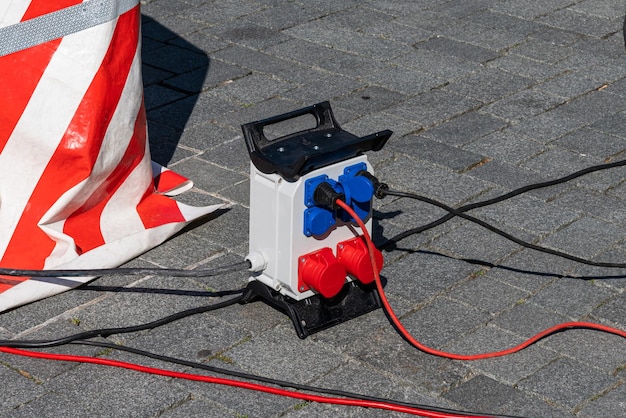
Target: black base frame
[317, 313]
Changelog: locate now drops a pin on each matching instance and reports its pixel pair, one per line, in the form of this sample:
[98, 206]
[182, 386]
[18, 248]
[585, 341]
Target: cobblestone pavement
[483, 96]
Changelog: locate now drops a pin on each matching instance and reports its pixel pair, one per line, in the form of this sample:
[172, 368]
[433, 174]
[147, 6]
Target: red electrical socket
[321, 271]
[354, 256]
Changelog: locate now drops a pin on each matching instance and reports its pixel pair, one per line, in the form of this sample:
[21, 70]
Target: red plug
[355, 258]
[321, 272]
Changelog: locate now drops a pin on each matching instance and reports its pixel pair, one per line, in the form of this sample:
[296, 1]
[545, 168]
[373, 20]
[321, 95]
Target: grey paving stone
[302, 360]
[232, 154]
[478, 245]
[443, 66]
[375, 122]
[480, 35]
[251, 89]
[369, 100]
[405, 80]
[604, 104]
[611, 403]
[198, 338]
[508, 369]
[18, 389]
[204, 136]
[484, 394]
[238, 193]
[510, 177]
[595, 204]
[248, 33]
[222, 11]
[506, 146]
[523, 105]
[585, 238]
[570, 19]
[160, 10]
[16, 321]
[612, 125]
[613, 278]
[283, 15]
[201, 79]
[571, 382]
[434, 107]
[347, 39]
[436, 152]
[443, 321]
[596, 349]
[490, 84]
[175, 59]
[570, 85]
[571, 297]
[157, 96]
[465, 128]
[526, 67]
[546, 127]
[462, 9]
[193, 110]
[261, 62]
[458, 49]
[409, 214]
[194, 408]
[613, 310]
[529, 214]
[529, 10]
[229, 230]
[528, 319]
[152, 75]
[71, 393]
[488, 294]
[531, 270]
[505, 21]
[385, 351]
[328, 87]
[592, 142]
[540, 50]
[559, 162]
[415, 176]
[207, 176]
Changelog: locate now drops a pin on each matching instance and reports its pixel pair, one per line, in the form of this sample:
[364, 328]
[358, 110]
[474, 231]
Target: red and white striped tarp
[77, 186]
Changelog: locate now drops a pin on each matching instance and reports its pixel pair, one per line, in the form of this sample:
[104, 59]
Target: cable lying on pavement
[336, 397]
[502, 233]
[516, 192]
[411, 340]
[128, 271]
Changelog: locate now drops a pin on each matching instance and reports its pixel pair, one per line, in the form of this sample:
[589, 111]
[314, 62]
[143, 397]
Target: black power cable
[128, 271]
[107, 332]
[457, 212]
[83, 338]
[278, 382]
[516, 192]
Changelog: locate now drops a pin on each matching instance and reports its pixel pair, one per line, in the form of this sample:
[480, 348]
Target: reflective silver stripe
[61, 23]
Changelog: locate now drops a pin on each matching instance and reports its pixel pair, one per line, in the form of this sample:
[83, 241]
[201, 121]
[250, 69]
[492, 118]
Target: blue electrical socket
[357, 189]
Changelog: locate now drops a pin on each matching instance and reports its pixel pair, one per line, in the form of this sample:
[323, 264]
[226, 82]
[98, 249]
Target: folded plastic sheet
[78, 188]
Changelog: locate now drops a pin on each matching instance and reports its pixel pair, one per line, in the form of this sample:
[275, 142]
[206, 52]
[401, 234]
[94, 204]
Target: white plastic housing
[277, 238]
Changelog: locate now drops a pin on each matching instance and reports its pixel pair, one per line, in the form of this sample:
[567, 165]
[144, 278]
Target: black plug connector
[380, 189]
[325, 195]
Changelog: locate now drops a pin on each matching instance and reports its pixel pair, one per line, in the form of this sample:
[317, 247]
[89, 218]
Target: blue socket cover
[358, 190]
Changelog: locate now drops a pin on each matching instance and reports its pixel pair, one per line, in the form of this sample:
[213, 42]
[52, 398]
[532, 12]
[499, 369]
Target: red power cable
[235, 383]
[403, 331]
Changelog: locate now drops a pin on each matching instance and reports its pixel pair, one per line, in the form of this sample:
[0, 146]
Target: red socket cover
[355, 258]
[321, 272]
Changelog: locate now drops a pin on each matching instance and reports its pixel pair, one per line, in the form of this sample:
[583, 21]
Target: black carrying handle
[254, 131]
[299, 153]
